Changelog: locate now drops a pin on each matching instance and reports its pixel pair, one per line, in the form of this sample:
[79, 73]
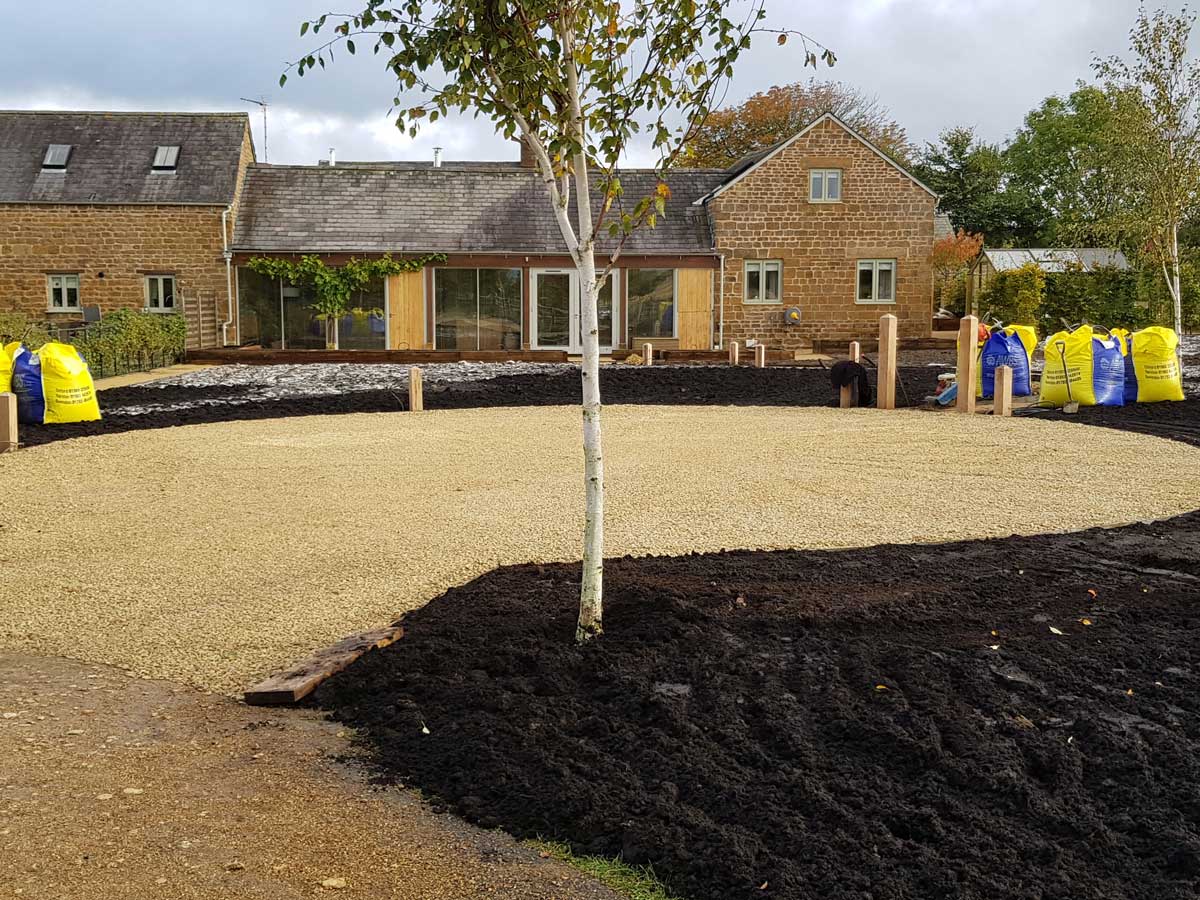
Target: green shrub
[133, 334]
[16, 326]
[1106, 297]
[1015, 296]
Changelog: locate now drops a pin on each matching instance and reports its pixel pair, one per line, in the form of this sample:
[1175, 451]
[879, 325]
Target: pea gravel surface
[216, 554]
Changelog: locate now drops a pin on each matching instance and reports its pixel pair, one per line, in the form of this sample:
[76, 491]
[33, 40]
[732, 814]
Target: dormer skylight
[56, 156]
[165, 158]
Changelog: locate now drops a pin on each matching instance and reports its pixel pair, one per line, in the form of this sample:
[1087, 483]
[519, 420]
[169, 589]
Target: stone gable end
[767, 215]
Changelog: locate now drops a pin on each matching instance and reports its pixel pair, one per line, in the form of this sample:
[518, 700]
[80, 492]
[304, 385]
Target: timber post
[8, 423]
[733, 353]
[647, 354]
[760, 356]
[968, 360]
[1002, 392]
[888, 326]
[416, 392]
[846, 398]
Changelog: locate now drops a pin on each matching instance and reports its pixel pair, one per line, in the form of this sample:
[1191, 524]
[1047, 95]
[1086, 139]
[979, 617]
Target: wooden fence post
[968, 361]
[733, 353]
[647, 354]
[416, 393]
[8, 423]
[760, 356]
[887, 362]
[1002, 392]
[847, 398]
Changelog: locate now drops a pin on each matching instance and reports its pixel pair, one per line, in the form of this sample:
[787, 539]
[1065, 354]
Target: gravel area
[116, 788]
[216, 554]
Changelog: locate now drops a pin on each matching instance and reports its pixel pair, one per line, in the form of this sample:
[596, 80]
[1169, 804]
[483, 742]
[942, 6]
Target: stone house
[119, 210]
[810, 240]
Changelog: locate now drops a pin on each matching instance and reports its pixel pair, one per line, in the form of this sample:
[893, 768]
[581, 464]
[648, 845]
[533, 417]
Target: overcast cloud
[934, 63]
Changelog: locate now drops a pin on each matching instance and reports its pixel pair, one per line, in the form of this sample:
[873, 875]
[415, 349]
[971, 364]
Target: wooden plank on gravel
[293, 685]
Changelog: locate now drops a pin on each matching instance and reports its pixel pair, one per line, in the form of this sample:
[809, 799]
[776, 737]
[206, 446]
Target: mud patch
[1011, 718]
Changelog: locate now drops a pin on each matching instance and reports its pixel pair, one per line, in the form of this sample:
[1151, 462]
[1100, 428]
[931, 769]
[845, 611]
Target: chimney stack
[332, 157]
[528, 159]
[437, 157]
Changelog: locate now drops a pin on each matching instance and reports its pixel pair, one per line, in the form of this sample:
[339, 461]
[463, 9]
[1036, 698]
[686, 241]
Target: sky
[933, 63]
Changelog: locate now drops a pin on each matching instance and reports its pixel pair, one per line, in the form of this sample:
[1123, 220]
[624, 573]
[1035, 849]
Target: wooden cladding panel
[695, 309]
[406, 311]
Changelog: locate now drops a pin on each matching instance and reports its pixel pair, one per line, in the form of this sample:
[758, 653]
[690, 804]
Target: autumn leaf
[781, 40]
[1092, 591]
[881, 687]
[1054, 630]
[1085, 621]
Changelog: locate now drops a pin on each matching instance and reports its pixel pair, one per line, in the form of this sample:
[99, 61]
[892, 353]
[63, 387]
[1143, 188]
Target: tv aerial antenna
[261, 102]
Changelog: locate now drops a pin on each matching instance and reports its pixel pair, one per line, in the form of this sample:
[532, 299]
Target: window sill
[64, 309]
[762, 302]
[823, 202]
[158, 309]
[875, 302]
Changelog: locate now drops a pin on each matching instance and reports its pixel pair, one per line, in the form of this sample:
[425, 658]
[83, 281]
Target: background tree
[1156, 127]
[775, 115]
[971, 178]
[576, 80]
[1064, 162]
[952, 258]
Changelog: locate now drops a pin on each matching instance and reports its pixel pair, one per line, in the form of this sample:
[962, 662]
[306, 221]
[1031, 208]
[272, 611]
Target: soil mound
[1014, 718]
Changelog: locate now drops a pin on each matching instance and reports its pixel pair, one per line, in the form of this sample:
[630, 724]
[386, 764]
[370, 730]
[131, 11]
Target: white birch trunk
[591, 589]
[1176, 291]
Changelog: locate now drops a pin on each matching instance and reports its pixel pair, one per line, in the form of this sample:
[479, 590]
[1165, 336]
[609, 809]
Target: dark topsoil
[824, 724]
[682, 385]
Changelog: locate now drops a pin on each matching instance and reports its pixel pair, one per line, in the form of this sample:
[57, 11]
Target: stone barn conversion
[122, 210]
[812, 239]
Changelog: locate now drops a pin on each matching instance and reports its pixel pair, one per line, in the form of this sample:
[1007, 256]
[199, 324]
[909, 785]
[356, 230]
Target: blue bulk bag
[1125, 343]
[27, 385]
[1108, 372]
[1003, 349]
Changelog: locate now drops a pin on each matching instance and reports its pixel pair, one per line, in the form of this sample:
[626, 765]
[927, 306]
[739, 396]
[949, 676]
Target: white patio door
[555, 308]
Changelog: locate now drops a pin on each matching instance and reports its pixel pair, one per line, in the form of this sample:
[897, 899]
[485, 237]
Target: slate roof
[454, 208]
[1057, 260]
[111, 156]
[942, 226]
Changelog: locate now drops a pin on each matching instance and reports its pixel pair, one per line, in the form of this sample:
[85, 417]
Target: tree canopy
[776, 114]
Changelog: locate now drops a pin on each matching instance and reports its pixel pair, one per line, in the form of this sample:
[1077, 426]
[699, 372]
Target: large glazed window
[258, 308]
[477, 309]
[364, 327]
[651, 303]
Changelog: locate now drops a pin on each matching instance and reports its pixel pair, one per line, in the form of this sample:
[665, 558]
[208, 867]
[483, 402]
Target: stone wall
[883, 214]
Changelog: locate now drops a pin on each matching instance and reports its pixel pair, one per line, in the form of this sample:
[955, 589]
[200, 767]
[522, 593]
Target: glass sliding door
[499, 309]
[558, 310]
[554, 301]
[364, 327]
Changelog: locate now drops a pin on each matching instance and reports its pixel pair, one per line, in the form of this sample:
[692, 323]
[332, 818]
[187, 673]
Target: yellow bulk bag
[1092, 363]
[5, 371]
[1156, 363]
[67, 387]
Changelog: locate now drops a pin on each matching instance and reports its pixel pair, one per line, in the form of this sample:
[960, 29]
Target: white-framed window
[876, 281]
[764, 281]
[160, 293]
[825, 186]
[62, 292]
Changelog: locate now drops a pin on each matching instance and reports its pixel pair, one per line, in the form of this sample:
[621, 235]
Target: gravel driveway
[216, 554]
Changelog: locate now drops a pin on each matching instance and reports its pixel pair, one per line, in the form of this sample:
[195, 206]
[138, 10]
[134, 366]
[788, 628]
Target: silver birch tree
[577, 81]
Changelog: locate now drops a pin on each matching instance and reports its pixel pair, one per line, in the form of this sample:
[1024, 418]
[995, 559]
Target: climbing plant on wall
[333, 286]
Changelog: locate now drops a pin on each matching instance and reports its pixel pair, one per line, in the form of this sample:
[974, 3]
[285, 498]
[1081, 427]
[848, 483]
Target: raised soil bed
[673, 385]
[1015, 718]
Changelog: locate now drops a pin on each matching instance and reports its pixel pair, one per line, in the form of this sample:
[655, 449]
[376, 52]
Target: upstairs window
[56, 157]
[876, 281]
[160, 293]
[764, 281]
[63, 292]
[825, 186]
[165, 159]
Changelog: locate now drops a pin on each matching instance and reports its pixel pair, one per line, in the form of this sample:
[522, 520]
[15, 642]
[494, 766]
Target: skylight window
[165, 159]
[56, 156]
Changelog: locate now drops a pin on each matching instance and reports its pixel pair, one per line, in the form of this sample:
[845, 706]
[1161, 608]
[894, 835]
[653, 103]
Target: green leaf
[282, 80]
[350, 46]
